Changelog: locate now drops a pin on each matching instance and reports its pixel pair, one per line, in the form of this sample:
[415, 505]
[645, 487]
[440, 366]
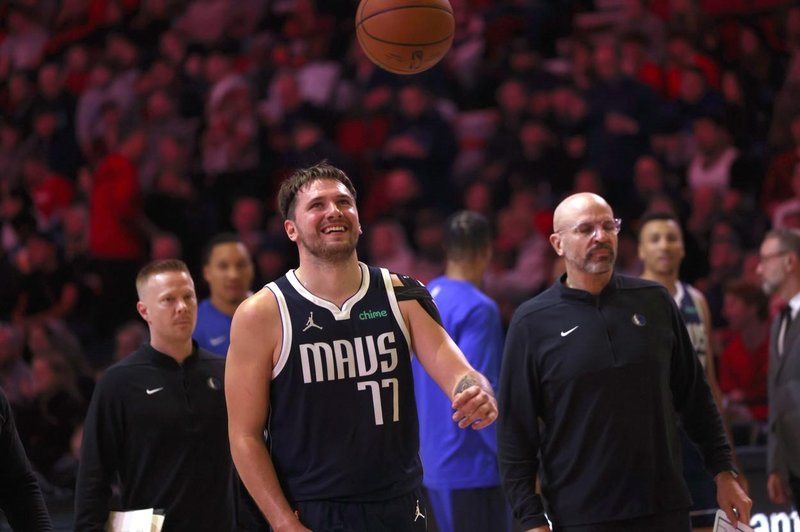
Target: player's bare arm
[472, 395]
[255, 345]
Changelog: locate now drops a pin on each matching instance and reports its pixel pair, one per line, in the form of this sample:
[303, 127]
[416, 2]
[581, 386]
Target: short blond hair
[156, 267]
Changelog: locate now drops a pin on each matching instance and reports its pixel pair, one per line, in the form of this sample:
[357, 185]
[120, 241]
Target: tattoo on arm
[465, 383]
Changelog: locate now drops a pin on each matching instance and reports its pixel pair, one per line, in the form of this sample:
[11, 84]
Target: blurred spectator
[791, 29]
[480, 197]
[118, 231]
[76, 69]
[637, 64]
[128, 338]
[715, 158]
[82, 21]
[778, 181]
[45, 338]
[637, 16]
[24, 44]
[15, 375]
[521, 262]
[51, 411]
[682, 54]
[53, 142]
[422, 140]
[48, 290]
[744, 118]
[165, 246]
[743, 361]
[649, 184]
[388, 247]
[588, 179]
[621, 111]
[175, 206]
[725, 257]
[20, 496]
[273, 258]
[536, 160]
[695, 99]
[10, 154]
[581, 69]
[786, 211]
[428, 243]
[688, 16]
[761, 66]
[16, 100]
[310, 144]
[10, 288]
[205, 22]
[162, 121]
[283, 107]
[53, 97]
[51, 192]
[90, 107]
[465, 56]
[247, 221]
[787, 105]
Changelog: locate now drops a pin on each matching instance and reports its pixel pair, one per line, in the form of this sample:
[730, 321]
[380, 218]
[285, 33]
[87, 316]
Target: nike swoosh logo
[217, 341]
[565, 333]
[154, 390]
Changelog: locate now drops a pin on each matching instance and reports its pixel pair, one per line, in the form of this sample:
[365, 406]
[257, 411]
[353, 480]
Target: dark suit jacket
[784, 401]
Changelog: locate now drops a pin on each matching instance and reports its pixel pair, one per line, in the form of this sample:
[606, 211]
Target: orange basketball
[405, 36]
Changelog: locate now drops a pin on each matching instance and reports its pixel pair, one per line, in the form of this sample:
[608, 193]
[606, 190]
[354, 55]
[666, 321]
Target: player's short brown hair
[296, 181]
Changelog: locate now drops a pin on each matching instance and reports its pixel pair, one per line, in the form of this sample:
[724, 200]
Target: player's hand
[474, 407]
[776, 490]
[732, 499]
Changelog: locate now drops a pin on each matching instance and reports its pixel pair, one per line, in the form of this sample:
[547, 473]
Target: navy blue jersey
[343, 421]
[693, 317]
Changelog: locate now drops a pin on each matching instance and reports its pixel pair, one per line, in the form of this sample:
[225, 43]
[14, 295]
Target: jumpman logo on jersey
[417, 513]
[310, 323]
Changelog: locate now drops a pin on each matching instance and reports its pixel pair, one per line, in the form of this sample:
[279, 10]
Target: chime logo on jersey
[348, 359]
[372, 314]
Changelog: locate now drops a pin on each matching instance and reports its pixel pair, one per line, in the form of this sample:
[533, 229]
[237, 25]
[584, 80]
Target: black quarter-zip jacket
[161, 428]
[597, 385]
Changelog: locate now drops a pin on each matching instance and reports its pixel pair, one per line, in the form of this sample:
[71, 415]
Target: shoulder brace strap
[413, 289]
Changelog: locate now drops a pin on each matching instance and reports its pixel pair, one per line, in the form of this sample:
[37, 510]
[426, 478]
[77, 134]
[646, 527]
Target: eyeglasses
[588, 229]
[764, 258]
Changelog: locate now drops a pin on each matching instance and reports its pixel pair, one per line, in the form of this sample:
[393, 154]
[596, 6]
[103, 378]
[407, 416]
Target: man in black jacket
[596, 371]
[20, 497]
[157, 420]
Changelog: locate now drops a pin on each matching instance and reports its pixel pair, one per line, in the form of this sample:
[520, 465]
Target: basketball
[405, 36]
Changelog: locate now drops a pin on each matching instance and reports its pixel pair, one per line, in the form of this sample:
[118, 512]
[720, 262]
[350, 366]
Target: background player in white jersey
[661, 251]
[321, 359]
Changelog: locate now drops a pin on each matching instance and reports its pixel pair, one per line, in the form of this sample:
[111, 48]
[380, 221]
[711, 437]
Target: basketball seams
[398, 8]
[417, 44]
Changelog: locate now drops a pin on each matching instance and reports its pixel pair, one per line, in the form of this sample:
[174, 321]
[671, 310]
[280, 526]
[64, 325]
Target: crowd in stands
[138, 129]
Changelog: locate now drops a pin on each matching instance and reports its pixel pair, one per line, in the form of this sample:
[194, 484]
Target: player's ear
[291, 230]
[141, 308]
[790, 261]
[360, 230]
[555, 241]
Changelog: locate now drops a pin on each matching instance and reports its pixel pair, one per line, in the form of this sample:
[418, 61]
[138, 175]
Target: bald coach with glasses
[597, 371]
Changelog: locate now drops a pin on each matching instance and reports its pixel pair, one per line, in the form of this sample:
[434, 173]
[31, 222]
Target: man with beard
[322, 358]
[597, 371]
[661, 252]
[779, 267]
